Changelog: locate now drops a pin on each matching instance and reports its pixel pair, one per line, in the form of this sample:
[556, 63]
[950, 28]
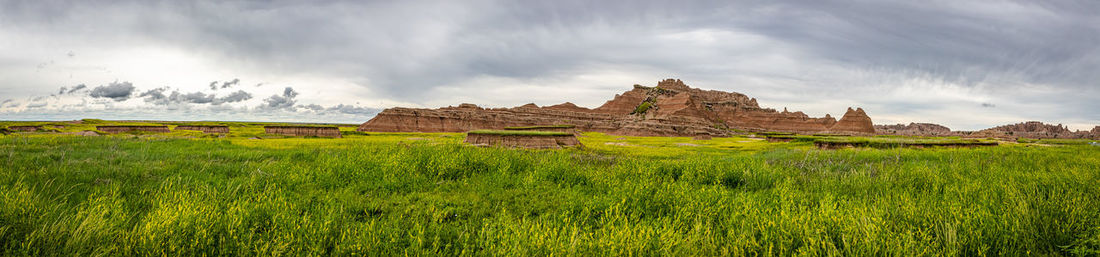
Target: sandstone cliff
[669, 109]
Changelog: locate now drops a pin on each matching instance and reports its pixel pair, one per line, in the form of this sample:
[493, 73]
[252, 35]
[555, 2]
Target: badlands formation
[1030, 129]
[669, 109]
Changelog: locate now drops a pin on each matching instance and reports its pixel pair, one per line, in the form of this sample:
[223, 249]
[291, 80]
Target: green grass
[1052, 141]
[519, 133]
[642, 108]
[428, 194]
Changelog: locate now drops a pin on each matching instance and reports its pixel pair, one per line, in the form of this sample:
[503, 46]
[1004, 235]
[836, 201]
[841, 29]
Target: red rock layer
[533, 142]
[669, 109]
[301, 131]
[123, 129]
[206, 129]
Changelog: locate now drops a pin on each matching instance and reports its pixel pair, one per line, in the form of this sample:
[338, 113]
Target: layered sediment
[206, 129]
[135, 128]
[303, 131]
[669, 109]
[25, 128]
[523, 141]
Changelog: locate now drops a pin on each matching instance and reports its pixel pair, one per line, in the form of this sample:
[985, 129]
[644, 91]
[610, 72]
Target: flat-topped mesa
[671, 108]
[207, 129]
[25, 128]
[133, 128]
[303, 131]
[522, 139]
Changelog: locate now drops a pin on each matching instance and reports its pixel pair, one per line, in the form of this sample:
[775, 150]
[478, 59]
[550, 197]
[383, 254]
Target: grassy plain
[186, 193]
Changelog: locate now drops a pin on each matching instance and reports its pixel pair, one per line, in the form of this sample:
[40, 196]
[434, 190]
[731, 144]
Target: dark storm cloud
[115, 91]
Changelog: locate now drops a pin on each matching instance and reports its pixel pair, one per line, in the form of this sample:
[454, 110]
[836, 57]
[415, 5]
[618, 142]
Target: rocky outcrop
[524, 141]
[133, 128]
[25, 128]
[914, 129]
[669, 109]
[303, 131]
[205, 129]
[1030, 129]
[854, 121]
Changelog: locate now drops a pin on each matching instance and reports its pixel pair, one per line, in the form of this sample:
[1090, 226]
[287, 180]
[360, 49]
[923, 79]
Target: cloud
[313, 107]
[194, 97]
[115, 91]
[77, 88]
[228, 84]
[213, 85]
[158, 97]
[234, 97]
[155, 96]
[349, 109]
[286, 101]
[36, 105]
[9, 103]
[988, 105]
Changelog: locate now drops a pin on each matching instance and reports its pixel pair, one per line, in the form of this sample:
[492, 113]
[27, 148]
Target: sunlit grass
[386, 194]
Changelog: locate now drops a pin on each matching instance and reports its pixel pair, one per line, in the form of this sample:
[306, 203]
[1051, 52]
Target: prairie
[249, 193]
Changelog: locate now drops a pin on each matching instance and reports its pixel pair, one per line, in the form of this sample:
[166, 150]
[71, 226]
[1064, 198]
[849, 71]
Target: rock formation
[132, 128]
[1030, 129]
[206, 129]
[523, 141]
[303, 131]
[669, 109]
[25, 128]
[914, 129]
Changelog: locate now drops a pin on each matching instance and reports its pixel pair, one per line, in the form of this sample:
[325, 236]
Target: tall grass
[388, 194]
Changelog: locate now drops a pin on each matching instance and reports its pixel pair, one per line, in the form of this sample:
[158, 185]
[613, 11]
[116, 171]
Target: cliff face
[669, 109]
[855, 121]
[205, 129]
[301, 131]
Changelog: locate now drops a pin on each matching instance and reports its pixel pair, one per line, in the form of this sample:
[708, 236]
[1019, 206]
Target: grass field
[186, 193]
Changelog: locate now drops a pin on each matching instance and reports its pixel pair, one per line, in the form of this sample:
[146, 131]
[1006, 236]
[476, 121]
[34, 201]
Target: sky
[968, 65]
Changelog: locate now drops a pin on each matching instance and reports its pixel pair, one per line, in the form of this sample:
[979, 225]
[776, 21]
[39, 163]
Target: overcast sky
[964, 64]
